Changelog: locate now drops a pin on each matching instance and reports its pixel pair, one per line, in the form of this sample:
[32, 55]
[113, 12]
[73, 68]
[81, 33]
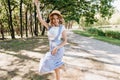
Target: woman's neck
[56, 25]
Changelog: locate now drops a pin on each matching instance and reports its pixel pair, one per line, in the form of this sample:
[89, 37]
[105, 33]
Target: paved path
[85, 58]
[95, 59]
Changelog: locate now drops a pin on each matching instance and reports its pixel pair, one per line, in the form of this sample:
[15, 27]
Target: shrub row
[107, 33]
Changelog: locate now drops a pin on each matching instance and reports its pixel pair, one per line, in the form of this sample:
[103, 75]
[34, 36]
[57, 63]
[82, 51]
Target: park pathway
[91, 59]
[85, 58]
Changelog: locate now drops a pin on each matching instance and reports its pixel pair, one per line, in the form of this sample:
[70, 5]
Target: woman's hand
[54, 51]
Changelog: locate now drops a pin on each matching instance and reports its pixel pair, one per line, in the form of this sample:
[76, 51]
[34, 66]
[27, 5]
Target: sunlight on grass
[102, 38]
[23, 44]
[20, 58]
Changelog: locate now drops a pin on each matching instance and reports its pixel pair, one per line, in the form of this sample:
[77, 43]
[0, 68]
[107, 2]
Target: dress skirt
[50, 62]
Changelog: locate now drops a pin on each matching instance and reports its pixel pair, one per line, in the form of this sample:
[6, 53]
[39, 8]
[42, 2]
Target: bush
[112, 34]
[100, 32]
[96, 31]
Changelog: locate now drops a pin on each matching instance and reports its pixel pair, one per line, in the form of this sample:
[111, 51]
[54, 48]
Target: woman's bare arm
[64, 36]
[39, 15]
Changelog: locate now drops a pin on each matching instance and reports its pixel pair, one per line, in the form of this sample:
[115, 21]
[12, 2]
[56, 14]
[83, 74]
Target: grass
[29, 44]
[24, 44]
[102, 38]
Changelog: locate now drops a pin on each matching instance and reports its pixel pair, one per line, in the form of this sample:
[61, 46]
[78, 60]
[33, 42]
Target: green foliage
[75, 9]
[102, 38]
[107, 33]
[112, 34]
[71, 10]
[96, 31]
[106, 8]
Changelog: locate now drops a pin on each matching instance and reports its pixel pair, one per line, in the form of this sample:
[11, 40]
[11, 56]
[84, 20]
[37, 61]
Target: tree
[76, 9]
[21, 26]
[72, 10]
[2, 29]
[9, 2]
[27, 10]
[36, 22]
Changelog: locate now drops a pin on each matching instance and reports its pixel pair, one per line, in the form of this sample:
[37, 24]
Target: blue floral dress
[51, 62]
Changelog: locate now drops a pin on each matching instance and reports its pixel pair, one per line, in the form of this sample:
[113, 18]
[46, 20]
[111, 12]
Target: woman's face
[55, 20]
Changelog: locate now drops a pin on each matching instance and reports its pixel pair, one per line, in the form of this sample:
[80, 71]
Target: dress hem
[42, 73]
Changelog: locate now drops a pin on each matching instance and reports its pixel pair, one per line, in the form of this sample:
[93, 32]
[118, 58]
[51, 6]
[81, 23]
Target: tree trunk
[67, 25]
[36, 26]
[2, 31]
[31, 20]
[10, 21]
[71, 24]
[26, 18]
[7, 14]
[43, 31]
[21, 26]
[40, 27]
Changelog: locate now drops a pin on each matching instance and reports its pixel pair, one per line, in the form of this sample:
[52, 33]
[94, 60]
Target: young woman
[56, 31]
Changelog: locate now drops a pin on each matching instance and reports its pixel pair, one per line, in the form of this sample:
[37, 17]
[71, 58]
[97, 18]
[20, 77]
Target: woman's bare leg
[63, 67]
[57, 72]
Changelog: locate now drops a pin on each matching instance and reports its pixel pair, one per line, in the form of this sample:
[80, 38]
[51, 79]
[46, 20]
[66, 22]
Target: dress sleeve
[63, 28]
